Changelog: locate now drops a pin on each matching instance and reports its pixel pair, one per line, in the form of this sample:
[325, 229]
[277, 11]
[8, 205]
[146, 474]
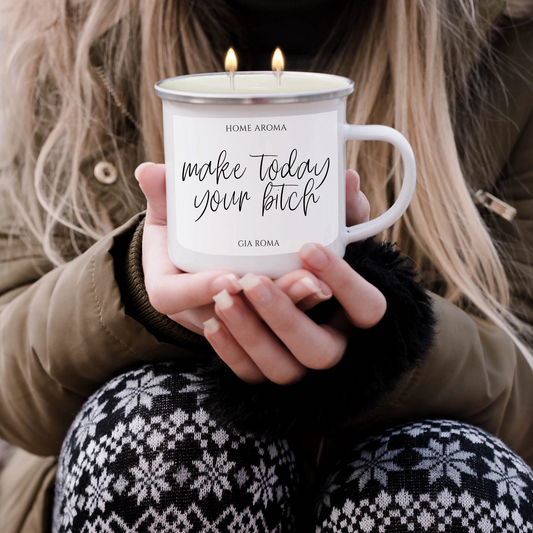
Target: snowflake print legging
[143, 456]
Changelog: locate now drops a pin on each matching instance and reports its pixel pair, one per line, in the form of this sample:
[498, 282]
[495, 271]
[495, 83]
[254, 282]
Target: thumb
[357, 206]
[151, 178]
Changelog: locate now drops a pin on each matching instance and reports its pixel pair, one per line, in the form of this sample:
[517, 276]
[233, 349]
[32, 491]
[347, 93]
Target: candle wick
[232, 80]
[278, 76]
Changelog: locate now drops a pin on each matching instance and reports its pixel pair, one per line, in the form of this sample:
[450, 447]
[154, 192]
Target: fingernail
[223, 300]
[256, 290]
[303, 287]
[310, 284]
[211, 326]
[218, 335]
[233, 314]
[314, 257]
[142, 165]
[228, 282]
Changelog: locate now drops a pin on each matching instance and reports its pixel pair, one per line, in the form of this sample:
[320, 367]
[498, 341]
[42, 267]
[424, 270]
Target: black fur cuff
[375, 361]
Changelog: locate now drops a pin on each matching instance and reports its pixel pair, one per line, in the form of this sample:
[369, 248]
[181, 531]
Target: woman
[83, 307]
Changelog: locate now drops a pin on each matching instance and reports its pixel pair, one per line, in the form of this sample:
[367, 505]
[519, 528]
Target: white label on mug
[256, 185]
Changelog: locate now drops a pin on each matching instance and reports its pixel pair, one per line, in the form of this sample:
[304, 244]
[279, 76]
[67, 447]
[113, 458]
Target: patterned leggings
[144, 456]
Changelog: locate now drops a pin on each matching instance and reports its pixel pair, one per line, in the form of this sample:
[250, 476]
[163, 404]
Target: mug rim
[247, 99]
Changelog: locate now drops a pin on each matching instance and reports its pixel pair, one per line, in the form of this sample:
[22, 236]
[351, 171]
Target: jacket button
[105, 172]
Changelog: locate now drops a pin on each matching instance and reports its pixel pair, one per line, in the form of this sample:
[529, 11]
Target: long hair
[412, 63]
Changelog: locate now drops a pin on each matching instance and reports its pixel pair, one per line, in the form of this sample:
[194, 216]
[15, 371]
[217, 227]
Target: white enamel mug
[253, 177]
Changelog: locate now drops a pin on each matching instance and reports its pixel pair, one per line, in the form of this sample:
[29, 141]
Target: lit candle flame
[278, 64]
[231, 66]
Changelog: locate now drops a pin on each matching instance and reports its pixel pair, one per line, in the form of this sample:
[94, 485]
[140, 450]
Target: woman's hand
[188, 298]
[263, 335]
[276, 341]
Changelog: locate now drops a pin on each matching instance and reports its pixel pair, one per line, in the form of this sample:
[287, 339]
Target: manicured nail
[256, 290]
[310, 284]
[228, 282]
[218, 337]
[232, 314]
[314, 257]
[249, 281]
[305, 287]
[142, 165]
[223, 300]
[211, 326]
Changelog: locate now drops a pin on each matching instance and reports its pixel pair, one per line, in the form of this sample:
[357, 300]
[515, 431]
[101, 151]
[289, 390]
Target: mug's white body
[249, 185]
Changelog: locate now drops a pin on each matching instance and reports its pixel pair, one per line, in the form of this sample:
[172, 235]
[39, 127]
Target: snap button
[105, 172]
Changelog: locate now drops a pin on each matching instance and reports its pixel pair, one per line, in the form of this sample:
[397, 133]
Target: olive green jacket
[66, 331]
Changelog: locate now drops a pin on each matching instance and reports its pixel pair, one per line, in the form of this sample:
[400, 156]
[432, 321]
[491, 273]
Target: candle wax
[255, 83]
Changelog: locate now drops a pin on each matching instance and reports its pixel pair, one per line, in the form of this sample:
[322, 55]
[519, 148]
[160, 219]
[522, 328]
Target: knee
[152, 410]
[144, 441]
[427, 473]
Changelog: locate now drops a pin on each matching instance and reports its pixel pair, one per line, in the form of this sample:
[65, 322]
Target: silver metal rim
[208, 98]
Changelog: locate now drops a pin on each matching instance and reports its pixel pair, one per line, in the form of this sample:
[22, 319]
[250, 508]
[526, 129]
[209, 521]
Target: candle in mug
[255, 83]
[255, 172]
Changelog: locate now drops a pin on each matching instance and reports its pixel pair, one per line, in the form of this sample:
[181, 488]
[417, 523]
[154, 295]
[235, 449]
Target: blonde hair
[414, 65]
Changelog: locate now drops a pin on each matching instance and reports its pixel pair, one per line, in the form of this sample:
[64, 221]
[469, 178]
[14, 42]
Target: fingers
[256, 341]
[274, 340]
[156, 261]
[313, 346]
[169, 293]
[194, 319]
[357, 206]
[231, 352]
[155, 258]
[151, 178]
[364, 304]
[304, 289]
[173, 294]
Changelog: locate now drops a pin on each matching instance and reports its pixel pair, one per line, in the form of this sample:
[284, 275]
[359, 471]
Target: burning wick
[231, 67]
[278, 64]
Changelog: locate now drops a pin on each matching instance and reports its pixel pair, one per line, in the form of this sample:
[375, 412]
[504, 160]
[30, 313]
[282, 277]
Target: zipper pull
[495, 204]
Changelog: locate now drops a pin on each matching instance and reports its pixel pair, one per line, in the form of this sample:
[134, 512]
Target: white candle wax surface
[256, 83]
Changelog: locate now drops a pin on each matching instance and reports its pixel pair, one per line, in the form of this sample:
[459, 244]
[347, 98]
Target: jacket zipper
[118, 102]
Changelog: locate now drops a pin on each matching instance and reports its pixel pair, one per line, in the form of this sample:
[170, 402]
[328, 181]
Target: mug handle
[387, 219]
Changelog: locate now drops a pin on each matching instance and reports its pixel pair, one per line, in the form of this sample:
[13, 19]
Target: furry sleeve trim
[375, 361]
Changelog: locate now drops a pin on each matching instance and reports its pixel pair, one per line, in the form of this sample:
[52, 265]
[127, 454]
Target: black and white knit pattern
[144, 456]
[428, 476]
